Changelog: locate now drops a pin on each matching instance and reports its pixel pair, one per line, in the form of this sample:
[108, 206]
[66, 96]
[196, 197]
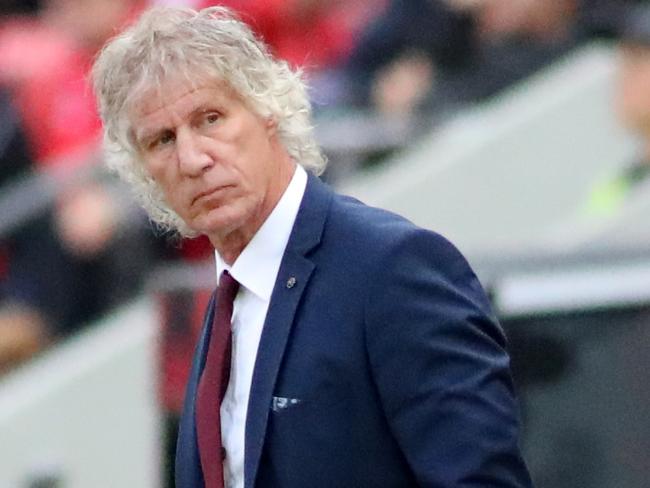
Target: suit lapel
[293, 278]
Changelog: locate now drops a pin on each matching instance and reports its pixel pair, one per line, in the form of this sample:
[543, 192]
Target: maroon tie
[213, 384]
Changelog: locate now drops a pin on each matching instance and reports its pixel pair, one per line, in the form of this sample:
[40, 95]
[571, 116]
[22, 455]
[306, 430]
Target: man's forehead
[177, 92]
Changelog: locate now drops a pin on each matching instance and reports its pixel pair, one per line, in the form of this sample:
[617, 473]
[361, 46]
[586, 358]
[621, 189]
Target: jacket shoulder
[385, 234]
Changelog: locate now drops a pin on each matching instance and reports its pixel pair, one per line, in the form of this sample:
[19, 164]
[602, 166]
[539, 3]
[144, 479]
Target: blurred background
[519, 129]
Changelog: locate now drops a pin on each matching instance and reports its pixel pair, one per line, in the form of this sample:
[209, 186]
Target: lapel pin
[291, 282]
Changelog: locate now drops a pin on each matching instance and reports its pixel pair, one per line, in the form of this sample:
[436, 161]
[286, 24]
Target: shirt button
[223, 453]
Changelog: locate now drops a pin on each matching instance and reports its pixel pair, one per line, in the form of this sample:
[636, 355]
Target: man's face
[539, 19]
[634, 87]
[219, 164]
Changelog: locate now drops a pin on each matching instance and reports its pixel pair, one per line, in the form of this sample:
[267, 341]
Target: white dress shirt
[256, 270]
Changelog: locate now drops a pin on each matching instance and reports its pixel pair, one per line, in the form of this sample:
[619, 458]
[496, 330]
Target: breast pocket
[309, 432]
[316, 420]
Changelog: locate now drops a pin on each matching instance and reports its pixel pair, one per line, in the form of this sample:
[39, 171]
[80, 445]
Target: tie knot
[228, 287]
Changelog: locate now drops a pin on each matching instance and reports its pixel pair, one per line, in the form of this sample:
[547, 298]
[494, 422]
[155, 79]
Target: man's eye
[166, 138]
[211, 118]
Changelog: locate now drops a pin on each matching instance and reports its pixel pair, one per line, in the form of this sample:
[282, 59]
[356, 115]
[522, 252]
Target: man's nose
[192, 159]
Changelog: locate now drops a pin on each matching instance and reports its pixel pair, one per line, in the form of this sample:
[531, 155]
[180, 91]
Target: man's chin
[216, 227]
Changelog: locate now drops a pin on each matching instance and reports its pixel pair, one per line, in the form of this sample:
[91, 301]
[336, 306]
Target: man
[363, 352]
[610, 197]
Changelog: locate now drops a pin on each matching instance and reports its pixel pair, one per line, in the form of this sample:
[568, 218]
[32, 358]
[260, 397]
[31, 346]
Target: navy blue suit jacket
[380, 364]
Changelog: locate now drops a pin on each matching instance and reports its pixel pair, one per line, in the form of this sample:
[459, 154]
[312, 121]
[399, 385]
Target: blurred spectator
[44, 59]
[412, 39]
[50, 282]
[537, 20]
[634, 89]
[516, 38]
[21, 331]
[633, 107]
[12, 7]
[459, 51]
[12, 142]
[67, 265]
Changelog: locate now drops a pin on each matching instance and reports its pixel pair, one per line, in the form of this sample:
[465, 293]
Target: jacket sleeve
[439, 361]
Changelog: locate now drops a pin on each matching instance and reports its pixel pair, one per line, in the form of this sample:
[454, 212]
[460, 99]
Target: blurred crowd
[64, 264]
[80, 249]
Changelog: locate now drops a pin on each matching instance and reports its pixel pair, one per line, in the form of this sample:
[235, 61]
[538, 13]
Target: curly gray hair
[214, 43]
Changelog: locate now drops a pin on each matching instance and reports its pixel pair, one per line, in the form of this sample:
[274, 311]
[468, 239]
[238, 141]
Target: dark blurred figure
[21, 328]
[12, 7]
[395, 60]
[634, 89]
[12, 142]
[433, 54]
[49, 287]
[609, 196]
[44, 61]
[518, 37]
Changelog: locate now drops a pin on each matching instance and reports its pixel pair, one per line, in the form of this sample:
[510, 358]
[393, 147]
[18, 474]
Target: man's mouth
[209, 193]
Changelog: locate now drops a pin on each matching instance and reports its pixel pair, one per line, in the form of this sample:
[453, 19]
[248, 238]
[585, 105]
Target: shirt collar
[257, 266]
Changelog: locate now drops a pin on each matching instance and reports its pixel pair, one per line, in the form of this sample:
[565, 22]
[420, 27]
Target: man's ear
[271, 125]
